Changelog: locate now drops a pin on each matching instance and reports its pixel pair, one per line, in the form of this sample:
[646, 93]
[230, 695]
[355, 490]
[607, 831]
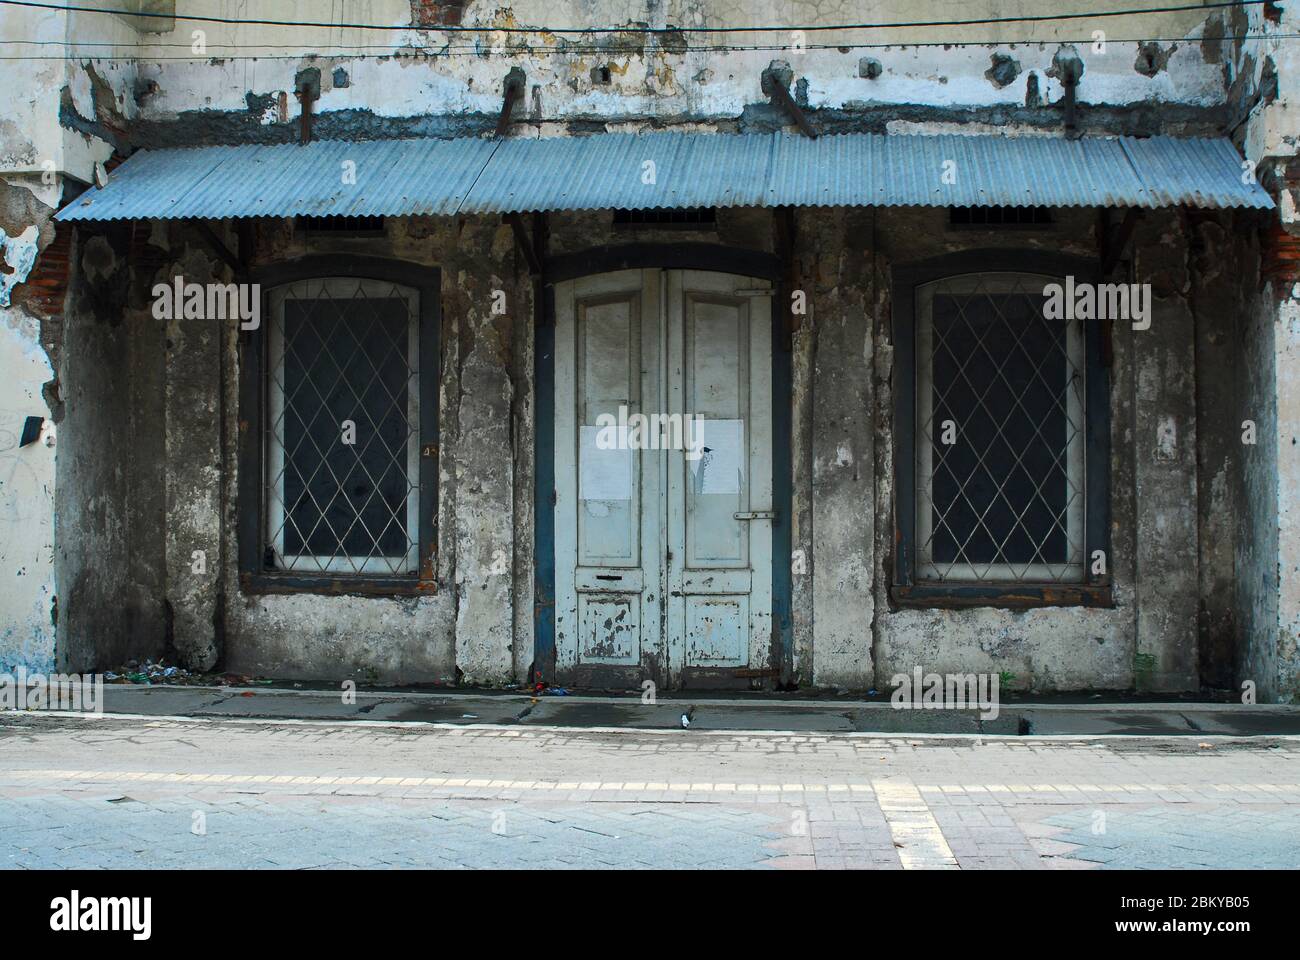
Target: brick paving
[134, 793]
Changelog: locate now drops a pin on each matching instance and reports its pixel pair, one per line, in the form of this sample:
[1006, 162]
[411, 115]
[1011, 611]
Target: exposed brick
[1281, 257]
[47, 284]
[437, 13]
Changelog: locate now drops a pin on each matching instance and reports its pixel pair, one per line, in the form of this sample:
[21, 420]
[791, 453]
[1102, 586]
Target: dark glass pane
[1000, 373]
[346, 359]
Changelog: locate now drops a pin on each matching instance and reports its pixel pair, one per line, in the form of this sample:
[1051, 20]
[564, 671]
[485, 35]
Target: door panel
[720, 562]
[607, 501]
[663, 555]
[608, 333]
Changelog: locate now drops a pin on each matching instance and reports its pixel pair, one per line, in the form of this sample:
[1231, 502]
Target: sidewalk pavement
[740, 713]
[77, 791]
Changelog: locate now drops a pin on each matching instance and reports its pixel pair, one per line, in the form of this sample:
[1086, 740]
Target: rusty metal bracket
[306, 96]
[513, 92]
[779, 93]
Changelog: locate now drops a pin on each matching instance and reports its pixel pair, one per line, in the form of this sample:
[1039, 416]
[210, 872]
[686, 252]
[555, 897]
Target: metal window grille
[1000, 433]
[343, 350]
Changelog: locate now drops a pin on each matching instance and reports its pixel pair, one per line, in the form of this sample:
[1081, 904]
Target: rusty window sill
[1016, 596]
[254, 584]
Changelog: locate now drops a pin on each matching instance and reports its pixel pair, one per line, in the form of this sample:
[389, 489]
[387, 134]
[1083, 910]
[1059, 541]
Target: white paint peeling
[19, 255]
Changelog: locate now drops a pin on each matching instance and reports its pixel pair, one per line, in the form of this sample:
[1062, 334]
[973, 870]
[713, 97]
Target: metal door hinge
[754, 515]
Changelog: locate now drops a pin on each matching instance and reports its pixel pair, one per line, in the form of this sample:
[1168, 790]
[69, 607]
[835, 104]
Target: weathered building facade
[475, 235]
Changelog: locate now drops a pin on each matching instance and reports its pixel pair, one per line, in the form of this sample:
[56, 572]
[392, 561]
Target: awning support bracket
[218, 246]
[775, 82]
[306, 96]
[526, 244]
[1113, 247]
[512, 94]
[780, 95]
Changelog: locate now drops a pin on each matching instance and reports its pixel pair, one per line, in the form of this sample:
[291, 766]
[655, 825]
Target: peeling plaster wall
[1164, 443]
[837, 246]
[60, 116]
[1257, 582]
[27, 609]
[436, 83]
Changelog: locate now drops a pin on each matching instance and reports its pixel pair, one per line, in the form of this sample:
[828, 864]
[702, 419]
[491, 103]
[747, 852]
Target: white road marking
[916, 833]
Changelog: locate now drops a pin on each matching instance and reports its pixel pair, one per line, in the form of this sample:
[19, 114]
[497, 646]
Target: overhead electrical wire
[438, 52]
[764, 28]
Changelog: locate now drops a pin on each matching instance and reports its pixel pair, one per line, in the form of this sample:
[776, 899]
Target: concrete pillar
[1165, 457]
[192, 442]
[843, 462]
[484, 458]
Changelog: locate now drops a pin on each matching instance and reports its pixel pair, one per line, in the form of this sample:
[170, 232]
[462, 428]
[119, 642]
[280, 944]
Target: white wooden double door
[663, 556]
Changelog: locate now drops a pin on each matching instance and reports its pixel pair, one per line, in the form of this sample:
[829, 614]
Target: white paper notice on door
[721, 465]
[605, 474]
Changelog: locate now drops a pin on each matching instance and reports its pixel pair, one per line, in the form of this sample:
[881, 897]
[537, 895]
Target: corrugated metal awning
[611, 171]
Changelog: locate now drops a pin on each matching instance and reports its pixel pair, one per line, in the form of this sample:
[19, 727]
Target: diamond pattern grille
[1004, 500]
[343, 350]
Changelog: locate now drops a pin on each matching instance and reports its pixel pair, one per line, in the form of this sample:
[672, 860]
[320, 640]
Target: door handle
[754, 515]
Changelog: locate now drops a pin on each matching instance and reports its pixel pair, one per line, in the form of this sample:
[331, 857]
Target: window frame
[906, 588]
[254, 408]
